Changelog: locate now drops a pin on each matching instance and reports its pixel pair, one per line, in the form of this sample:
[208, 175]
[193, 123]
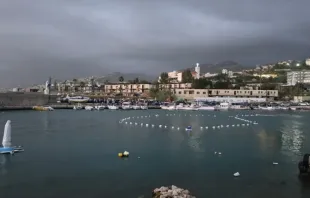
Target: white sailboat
[113, 107]
[126, 106]
[78, 107]
[89, 108]
[7, 141]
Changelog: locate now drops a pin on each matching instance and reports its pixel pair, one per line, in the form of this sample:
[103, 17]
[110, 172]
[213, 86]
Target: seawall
[21, 99]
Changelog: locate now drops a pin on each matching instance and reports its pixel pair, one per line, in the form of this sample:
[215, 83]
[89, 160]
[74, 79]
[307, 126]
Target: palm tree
[82, 85]
[121, 79]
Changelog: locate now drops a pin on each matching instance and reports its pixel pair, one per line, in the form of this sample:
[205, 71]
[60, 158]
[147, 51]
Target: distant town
[284, 80]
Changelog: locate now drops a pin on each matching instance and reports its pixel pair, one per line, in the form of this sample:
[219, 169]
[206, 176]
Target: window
[191, 92]
[203, 92]
[197, 92]
[185, 92]
[180, 92]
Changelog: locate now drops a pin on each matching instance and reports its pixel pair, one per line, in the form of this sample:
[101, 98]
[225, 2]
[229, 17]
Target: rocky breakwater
[171, 192]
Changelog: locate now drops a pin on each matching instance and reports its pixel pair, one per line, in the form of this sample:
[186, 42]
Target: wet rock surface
[171, 192]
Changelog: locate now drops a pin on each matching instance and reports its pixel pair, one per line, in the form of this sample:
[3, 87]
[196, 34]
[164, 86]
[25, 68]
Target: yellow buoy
[120, 154]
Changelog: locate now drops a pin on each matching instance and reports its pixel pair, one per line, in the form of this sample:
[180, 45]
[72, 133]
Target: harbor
[160, 156]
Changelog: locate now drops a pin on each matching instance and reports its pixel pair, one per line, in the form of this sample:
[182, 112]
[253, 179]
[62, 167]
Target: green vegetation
[121, 79]
[161, 95]
[187, 76]
[164, 79]
[202, 83]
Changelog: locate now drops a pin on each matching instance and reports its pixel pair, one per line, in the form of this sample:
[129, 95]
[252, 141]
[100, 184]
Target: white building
[197, 70]
[308, 61]
[224, 71]
[230, 74]
[175, 76]
[209, 75]
[294, 77]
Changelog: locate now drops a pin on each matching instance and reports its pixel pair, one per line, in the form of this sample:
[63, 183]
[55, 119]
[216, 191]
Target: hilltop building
[294, 77]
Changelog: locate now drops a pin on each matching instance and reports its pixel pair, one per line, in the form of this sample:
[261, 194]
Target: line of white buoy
[247, 122]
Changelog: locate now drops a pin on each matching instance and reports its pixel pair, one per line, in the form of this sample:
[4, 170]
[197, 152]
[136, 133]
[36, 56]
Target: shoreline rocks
[171, 192]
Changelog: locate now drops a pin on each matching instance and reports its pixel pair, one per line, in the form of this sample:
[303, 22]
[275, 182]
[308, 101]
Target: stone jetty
[171, 192]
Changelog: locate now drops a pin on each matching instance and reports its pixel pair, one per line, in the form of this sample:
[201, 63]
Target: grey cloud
[72, 38]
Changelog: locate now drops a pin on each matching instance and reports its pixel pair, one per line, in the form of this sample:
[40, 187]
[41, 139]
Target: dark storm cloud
[72, 38]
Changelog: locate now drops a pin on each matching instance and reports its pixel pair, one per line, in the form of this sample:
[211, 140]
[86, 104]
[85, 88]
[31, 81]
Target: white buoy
[218, 126]
[242, 124]
[222, 126]
[201, 128]
[238, 125]
[233, 125]
[247, 124]
[125, 122]
[237, 174]
[160, 126]
[215, 152]
[165, 126]
[141, 124]
[178, 128]
[220, 153]
[206, 127]
[227, 126]
[172, 127]
[275, 163]
[153, 125]
[213, 127]
[147, 125]
[130, 122]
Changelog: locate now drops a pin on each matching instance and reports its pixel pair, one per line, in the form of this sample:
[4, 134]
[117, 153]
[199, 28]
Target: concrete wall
[25, 99]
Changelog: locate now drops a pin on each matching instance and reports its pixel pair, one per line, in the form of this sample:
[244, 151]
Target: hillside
[114, 77]
[215, 68]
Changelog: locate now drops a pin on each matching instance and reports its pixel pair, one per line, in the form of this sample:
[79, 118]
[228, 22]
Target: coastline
[54, 106]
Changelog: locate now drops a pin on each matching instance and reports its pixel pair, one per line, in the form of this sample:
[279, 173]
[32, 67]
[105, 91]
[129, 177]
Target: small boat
[77, 99]
[206, 108]
[136, 107]
[191, 107]
[41, 108]
[144, 107]
[100, 107]
[223, 106]
[89, 108]
[113, 107]
[78, 107]
[188, 128]
[126, 106]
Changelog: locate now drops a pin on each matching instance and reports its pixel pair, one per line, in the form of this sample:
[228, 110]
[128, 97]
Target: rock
[171, 192]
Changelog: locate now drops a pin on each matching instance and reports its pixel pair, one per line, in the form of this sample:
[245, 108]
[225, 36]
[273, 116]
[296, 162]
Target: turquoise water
[74, 154]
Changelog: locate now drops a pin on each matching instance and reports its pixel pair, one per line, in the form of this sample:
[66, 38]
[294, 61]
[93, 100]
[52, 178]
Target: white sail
[6, 141]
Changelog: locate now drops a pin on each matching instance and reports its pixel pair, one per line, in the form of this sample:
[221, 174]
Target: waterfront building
[308, 61]
[192, 94]
[294, 77]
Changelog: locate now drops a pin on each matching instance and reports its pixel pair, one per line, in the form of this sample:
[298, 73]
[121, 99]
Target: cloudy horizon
[76, 38]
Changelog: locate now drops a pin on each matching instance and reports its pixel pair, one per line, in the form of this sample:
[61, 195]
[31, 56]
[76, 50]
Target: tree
[121, 79]
[136, 81]
[82, 84]
[164, 78]
[202, 83]
[187, 76]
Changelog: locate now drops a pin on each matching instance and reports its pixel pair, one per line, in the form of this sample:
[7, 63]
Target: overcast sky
[74, 38]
